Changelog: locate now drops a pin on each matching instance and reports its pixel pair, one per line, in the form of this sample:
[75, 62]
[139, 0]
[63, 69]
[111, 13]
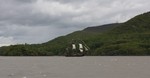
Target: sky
[38, 21]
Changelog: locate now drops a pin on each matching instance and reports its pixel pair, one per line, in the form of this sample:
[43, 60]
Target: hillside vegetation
[129, 38]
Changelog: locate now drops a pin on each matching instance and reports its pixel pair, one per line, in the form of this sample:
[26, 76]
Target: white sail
[86, 49]
[73, 46]
[81, 47]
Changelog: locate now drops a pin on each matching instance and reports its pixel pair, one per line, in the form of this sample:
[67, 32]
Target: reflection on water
[75, 67]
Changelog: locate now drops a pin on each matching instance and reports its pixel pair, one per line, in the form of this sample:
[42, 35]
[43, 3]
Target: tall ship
[77, 48]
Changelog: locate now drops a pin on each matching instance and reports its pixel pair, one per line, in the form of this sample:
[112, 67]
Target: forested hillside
[129, 38]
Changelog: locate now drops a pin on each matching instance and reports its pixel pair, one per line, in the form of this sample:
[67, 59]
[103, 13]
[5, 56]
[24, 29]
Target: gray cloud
[37, 21]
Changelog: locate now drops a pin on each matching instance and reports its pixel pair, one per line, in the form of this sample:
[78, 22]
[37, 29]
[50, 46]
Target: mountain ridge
[101, 28]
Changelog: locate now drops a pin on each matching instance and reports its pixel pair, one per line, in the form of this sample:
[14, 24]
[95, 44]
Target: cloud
[37, 21]
[5, 41]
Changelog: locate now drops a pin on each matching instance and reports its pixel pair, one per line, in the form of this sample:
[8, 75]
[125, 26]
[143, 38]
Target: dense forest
[129, 38]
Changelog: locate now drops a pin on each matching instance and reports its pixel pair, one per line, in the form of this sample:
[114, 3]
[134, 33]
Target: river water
[75, 67]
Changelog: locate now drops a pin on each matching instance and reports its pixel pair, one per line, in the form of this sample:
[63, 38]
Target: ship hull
[74, 55]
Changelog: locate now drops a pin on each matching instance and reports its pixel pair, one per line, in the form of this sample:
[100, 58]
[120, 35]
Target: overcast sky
[38, 21]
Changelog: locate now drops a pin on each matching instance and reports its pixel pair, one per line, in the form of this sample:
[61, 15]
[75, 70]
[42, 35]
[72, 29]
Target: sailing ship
[77, 48]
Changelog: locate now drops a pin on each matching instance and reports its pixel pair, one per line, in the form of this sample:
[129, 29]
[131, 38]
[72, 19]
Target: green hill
[129, 38]
[101, 28]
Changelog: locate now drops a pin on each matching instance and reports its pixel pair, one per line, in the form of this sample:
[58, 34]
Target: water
[75, 67]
